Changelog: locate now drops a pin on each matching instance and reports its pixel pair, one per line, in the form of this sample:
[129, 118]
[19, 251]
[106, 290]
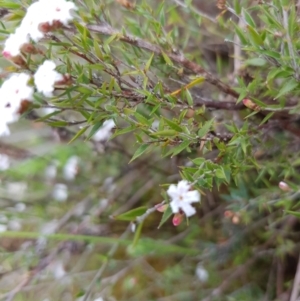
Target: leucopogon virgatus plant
[41, 19]
[121, 97]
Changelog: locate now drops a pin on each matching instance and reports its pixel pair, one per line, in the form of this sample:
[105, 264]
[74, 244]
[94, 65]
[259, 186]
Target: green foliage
[185, 106]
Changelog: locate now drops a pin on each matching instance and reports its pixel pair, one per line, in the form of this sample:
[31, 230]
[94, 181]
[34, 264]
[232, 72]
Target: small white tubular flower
[4, 160]
[14, 43]
[57, 268]
[12, 92]
[182, 197]
[201, 273]
[71, 168]
[46, 77]
[105, 131]
[60, 192]
[3, 228]
[58, 10]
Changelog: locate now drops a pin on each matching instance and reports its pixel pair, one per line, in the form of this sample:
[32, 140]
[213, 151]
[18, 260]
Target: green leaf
[137, 234]
[94, 129]
[248, 18]
[189, 98]
[241, 34]
[259, 62]
[167, 214]
[123, 131]
[110, 39]
[80, 133]
[237, 6]
[173, 125]
[166, 133]
[178, 149]
[140, 151]
[141, 119]
[98, 51]
[167, 59]
[205, 128]
[288, 86]
[255, 37]
[295, 213]
[220, 173]
[267, 117]
[148, 64]
[10, 5]
[131, 215]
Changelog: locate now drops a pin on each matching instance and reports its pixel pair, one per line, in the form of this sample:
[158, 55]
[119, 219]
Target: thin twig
[289, 41]
[196, 11]
[103, 267]
[295, 291]
[180, 59]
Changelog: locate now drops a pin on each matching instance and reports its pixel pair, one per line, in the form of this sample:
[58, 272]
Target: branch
[180, 59]
[295, 291]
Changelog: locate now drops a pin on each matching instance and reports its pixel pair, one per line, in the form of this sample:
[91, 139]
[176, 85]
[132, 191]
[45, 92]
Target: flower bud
[251, 105]
[284, 186]
[161, 208]
[177, 219]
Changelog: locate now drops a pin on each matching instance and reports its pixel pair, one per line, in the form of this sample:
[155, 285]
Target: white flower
[12, 92]
[40, 12]
[201, 273]
[57, 269]
[16, 190]
[46, 77]
[14, 43]
[3, 228]
[51, 171]
[60, 192]
[46, 12]
[58, 10]
[4, 161]
[71, 168]
[14, 225]
[105, 131]
[3, 219]
[182, 197]
[20, 207]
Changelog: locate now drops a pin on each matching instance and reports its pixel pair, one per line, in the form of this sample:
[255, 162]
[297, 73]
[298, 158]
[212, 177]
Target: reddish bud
[228, 213]
[18, 60]
[29, 48]
[161, 207]
[6, 54]
[251, 105]
[177, 219]
[25, 104]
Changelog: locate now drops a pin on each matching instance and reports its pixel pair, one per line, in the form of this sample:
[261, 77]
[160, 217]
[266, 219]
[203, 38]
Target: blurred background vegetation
[63, 191]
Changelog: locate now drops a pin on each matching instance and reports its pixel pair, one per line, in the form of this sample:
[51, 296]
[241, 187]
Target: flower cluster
[14, 94]
[42, 16]
[182, 198]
